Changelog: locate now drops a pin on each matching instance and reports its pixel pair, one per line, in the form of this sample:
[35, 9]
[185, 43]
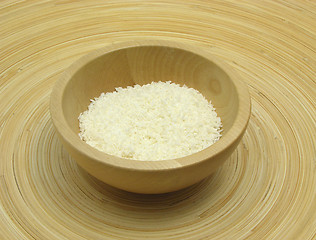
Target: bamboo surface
[266, 190]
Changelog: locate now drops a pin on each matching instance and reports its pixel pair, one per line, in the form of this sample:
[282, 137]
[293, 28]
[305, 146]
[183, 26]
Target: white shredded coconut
[157, 121]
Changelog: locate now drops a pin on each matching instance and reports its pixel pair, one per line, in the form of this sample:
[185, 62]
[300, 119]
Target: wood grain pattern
[266, 190]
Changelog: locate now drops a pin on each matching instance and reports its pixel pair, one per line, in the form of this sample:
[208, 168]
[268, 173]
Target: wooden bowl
[141, 62]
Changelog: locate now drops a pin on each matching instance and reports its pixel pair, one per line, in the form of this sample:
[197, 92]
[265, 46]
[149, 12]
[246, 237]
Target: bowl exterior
[149, 181]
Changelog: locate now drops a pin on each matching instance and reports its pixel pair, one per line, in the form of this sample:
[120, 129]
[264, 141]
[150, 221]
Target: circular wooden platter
[266, 190]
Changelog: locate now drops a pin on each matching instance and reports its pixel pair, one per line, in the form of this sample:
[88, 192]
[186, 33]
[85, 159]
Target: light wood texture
[141, 62]
[265, 190]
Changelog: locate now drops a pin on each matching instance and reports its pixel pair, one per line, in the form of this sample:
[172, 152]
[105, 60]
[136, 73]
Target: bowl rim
[72, 139]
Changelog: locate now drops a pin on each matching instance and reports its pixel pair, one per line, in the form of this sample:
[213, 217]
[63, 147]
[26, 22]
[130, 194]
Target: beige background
[266, 190]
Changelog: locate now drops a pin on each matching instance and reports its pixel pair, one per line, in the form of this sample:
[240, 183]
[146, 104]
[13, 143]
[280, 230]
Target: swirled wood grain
[266, 190]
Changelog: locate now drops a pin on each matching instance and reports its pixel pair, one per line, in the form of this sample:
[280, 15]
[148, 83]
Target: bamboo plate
[266, 190]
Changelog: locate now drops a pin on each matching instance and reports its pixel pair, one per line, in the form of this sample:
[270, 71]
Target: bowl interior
[145, 64]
